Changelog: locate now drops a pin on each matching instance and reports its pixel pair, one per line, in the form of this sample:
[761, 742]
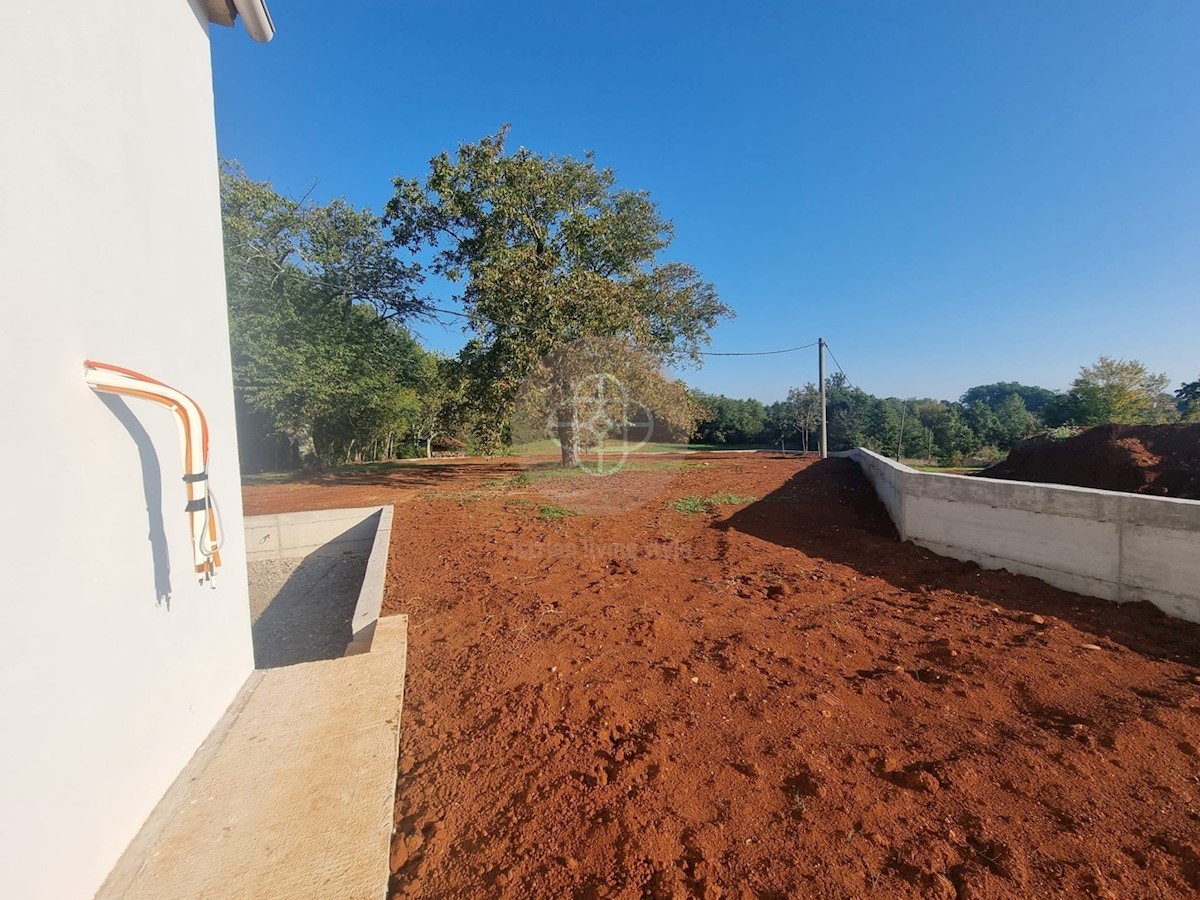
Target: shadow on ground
[302, 609]
[400, 473]
[829, 510]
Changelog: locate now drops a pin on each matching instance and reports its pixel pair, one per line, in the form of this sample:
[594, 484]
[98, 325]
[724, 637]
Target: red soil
[1138, 459]
[770, 700]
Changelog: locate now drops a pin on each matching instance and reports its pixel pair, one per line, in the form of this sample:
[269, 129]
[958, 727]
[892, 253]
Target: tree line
[978, 428]
[557, 273]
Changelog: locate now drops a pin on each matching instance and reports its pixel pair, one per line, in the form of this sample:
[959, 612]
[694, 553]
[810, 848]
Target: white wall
[110, 248]
[1116, 546]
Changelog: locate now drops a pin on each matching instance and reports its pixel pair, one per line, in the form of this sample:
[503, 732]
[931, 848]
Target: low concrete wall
[330, 532]
[1120, 547]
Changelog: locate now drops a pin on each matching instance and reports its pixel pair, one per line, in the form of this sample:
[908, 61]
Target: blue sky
[951, 193]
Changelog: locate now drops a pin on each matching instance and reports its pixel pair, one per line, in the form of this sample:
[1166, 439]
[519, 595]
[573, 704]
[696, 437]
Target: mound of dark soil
[1136, 459]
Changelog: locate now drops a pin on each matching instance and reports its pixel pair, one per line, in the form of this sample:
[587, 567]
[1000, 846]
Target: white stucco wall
[1120, 547]
[110, 248]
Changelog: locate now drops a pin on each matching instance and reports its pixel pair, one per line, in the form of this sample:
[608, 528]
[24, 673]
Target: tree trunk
[306, 448]
[568, 440]
[429, 447]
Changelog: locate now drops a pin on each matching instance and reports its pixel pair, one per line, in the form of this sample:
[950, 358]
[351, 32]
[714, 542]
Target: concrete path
[293, 797]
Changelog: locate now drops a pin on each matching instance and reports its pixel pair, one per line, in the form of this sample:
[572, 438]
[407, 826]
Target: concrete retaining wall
[327, 532]
[1120, 547]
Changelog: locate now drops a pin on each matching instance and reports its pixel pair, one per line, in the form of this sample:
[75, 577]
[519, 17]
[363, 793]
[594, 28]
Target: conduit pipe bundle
[203, 515]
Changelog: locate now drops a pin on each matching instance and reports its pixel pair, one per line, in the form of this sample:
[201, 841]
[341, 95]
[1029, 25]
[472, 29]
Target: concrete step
[291, 796]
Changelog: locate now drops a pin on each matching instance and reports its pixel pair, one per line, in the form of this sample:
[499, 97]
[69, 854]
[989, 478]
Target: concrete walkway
[292, 795]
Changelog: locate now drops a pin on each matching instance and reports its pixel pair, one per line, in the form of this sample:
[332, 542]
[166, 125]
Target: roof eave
[255, 16]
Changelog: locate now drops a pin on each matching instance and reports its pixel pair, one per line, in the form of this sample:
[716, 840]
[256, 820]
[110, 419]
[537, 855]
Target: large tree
[1114, 391]
[545, 251]
[803, 406]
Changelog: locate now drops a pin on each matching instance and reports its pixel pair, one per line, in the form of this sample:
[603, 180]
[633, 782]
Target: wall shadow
[829, 511]
[152, 491]
[303, 609]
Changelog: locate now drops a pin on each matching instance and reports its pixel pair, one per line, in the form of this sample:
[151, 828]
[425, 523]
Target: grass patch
[541, 448]
[729, 500]
[555, 472]
[545, 511]
[544, 473]
[692, 503]
[439, 495]
[367, 468]
[271, 477]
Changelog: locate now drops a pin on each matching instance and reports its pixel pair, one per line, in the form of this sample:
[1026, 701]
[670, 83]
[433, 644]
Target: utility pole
[900, 443]
[821, 376]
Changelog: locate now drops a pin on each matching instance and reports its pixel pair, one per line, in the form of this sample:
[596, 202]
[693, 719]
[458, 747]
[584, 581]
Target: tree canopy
[994, 395]
[1114, 390]
[545, 251]
[724, 420]
[1187, 398]
[316, 301]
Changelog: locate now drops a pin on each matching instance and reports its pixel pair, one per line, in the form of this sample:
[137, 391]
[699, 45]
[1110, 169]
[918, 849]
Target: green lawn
[541, 448]
[547, 447]
[371, 468]
[951, 470]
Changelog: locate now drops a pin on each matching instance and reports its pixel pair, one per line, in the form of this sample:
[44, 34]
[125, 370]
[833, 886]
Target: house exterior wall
[110, 249]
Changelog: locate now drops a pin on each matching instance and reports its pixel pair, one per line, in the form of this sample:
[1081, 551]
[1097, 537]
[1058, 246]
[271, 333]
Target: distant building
[115, 662]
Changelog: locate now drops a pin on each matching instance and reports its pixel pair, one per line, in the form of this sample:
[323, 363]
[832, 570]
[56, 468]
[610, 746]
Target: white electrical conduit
[203, 515]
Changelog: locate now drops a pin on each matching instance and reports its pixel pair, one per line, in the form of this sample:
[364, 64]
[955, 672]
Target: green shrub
[694, 504]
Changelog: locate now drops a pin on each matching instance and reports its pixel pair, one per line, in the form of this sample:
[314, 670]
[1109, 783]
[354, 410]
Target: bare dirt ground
[764, 699]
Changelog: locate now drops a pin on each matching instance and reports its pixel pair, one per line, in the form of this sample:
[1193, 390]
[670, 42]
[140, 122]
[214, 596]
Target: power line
[420, 307]
[839, 366]
[417, 306]
[760, 352]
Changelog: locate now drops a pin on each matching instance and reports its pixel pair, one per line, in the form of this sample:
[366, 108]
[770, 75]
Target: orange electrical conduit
[203, 515]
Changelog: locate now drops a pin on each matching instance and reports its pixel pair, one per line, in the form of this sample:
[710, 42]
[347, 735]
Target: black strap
[196, 505]
[199, 476]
